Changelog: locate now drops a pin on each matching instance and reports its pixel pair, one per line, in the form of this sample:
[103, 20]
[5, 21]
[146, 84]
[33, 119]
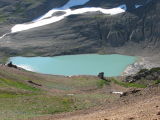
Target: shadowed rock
[34, 83]
[101, 75]
[11, 65]
[130, 92]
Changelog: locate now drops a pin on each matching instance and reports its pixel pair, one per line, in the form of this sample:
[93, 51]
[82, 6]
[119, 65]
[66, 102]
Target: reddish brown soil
[144, 105]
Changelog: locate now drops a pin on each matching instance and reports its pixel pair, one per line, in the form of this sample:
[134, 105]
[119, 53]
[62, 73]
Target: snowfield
[48, 18]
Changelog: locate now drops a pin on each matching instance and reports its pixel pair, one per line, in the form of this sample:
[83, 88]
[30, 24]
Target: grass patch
[28, 106]
[64, 104]
[125, 84]
[58, 86]
[23, 107]
[87, 100]
[5, 94]
[84, 82]
[101, 83]
[18, 84]
[78, 83]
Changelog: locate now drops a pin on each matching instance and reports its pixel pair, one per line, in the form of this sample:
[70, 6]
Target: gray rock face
[136, 32]
[145, 74]
[20, 11]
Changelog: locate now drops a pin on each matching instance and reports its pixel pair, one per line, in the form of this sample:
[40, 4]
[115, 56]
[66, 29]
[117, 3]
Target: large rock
[144, 74]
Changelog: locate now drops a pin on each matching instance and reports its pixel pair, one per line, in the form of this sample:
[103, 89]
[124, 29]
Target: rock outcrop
[145, 74]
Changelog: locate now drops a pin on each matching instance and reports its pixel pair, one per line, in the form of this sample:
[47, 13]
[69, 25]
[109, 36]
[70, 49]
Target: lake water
[84, 64]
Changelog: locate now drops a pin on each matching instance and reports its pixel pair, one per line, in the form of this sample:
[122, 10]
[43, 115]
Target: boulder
[11, 65]
[101, 75]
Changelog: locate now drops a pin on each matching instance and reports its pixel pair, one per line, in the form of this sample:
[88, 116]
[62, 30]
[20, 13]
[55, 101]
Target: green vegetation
[19, 9]
[151, 70]
[33, 3]
[76, 83]
[155, 69]
[28, 106]
[157, 82]
[21, 100]
[2, 18]
[22, 107]
[125, 84]
[29, 4]
[10, 94]
[87, 100]
[17, 84]
[148, 76]
[102, 83]
[143, 70]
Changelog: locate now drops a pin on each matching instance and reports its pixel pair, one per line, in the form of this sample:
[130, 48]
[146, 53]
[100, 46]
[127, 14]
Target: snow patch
[4, 35]
[137, 6]
[48, 19]
[26, 67]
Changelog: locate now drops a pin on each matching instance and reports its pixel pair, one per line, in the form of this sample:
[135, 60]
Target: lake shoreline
[141, 63]
[81, 64]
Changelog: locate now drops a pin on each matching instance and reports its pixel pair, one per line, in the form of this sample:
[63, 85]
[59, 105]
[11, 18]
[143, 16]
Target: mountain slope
[135, 32]
[92, 32]
[20, 11]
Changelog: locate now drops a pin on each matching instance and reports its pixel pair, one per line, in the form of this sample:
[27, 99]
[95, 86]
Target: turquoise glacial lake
[83, 64]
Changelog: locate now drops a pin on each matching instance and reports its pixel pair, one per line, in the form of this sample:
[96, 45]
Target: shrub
[143, 70]
[101, 83]
[157, 82]
[155, 69]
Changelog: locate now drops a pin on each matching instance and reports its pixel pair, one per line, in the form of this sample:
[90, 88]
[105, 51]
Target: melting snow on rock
[48, 18]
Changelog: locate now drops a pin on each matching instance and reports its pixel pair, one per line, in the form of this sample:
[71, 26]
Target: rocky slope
[145, 76]
[141, 106]
[135, 32]
[20, 11]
